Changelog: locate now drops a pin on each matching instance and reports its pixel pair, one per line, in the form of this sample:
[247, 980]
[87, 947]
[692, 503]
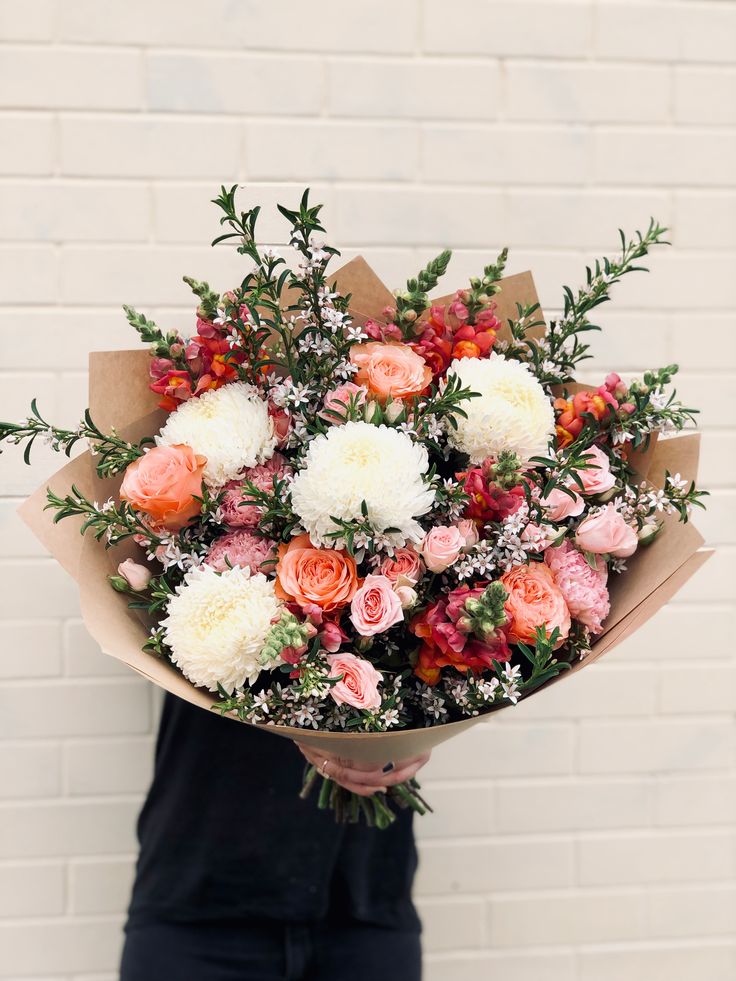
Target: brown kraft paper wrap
[119, 397]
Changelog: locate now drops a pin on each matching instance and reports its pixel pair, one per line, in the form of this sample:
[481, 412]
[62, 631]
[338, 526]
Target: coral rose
[405, 562]
[359, 684]
[607, 533]
[390, 370]
[164, 483]
[375, 607]
[534, 600]
[323, 577]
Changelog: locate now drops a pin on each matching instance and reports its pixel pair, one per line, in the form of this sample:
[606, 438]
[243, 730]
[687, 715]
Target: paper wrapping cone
[119, 396]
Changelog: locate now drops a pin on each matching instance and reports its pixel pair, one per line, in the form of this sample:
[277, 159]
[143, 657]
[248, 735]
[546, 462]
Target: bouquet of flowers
[363, 518]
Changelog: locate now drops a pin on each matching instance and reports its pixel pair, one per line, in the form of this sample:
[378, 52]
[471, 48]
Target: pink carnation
[241, 548]
[235, 514]
[583, 587]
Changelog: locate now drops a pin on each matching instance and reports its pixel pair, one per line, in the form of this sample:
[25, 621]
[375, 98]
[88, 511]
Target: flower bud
[407, 596]
[392, 411]
[608, 495]
[484, 298]
[136, 576]
[648, 533]
[410, 316]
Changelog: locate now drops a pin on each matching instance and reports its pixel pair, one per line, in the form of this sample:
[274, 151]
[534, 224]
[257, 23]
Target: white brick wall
[587, 835]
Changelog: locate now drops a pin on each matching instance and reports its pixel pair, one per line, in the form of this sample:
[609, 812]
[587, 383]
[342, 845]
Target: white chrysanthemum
[217, 624]
[512, 413]
[359, 462]
[228, 425]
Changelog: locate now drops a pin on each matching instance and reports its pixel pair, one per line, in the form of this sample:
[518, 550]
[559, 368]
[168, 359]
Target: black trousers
[269, 951]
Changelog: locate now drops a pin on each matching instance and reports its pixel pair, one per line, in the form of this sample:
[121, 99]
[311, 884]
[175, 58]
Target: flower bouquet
[365, 519]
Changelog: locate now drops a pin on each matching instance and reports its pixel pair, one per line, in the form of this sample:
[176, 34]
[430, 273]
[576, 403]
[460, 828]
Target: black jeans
[269, 951]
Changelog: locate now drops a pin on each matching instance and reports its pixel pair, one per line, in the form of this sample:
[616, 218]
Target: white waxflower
[512, 413]
[216, 625]
[228, 425]
[360, 462]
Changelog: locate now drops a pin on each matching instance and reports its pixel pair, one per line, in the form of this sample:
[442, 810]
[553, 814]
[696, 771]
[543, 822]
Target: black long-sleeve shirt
[223, 835]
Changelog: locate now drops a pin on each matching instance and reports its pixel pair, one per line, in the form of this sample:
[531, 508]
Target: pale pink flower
[583, 587]
[358, 686]
[597, 477]
[607, 533]
[375, 607]
[469, 530]
[235, 514]
[560, 505]
[336, 403]
[136, 575]
[441, 547]
[241, 548]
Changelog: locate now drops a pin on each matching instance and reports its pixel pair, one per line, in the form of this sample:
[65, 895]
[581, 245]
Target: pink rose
[407, 594]
[441, 546]
[136, 575]
[359, 683]
[336, 404]
[469, 530]
[281, 421]
[597, 478]
[404, 562]
[241, 548]
[607, 533]
[238, 515]
[375, 607]
[584, 588]
[560, 505]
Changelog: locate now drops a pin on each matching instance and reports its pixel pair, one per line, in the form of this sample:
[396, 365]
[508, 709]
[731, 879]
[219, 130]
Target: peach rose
[441, 546]
[164, 483]
[606, 533]
[309, 576]
[375, 606]
[534, 600]
[358, 686]
[390, 370]
[597, 477]
[404, 562]
[560, 505]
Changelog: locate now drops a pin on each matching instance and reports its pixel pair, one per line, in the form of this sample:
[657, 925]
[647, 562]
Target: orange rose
[309, 576]
[534, 600]
[164, 483]
[390, 370]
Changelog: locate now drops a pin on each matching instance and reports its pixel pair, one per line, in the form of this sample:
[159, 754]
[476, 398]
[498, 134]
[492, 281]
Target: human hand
[359, 778]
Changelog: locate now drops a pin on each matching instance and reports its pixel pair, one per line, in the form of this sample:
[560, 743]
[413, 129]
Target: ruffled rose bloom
[597, 477]
[136, 575]
[607, 533]
[404, 562]
[241, 548]
[390, 370]
[358, 686]
[584, 588]
[441, 547]
[337, 402]
[165, 483]
[235, 514]
[324, 577]
[375, 607]
[560, 505]
[444, 644]
[534, 600]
